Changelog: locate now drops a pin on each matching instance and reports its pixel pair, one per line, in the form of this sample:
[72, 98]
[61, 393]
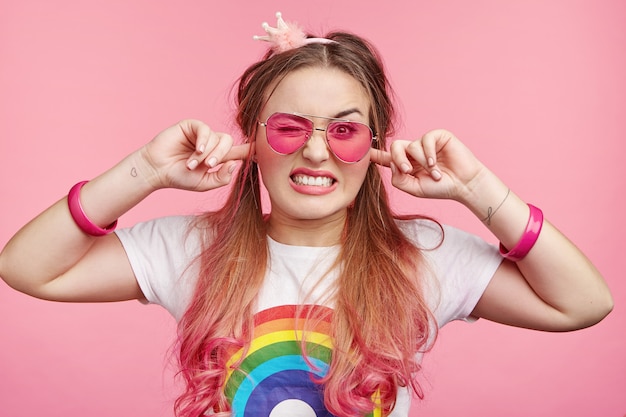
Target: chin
[315, 212]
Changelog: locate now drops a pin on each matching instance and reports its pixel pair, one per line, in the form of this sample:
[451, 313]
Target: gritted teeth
[315, 181]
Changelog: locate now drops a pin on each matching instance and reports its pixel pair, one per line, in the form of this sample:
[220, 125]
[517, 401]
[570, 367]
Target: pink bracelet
[526, 243]
[79, 216]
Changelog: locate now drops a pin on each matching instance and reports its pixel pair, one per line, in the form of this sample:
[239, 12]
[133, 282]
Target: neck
[314, 232]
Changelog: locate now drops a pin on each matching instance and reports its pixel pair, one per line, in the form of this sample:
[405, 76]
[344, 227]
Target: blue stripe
[271, 367]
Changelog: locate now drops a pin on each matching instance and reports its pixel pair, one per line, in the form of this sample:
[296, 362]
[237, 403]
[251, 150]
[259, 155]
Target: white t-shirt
[274, 380]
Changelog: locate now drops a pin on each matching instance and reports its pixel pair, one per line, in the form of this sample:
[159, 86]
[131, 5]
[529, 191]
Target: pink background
[537, 89]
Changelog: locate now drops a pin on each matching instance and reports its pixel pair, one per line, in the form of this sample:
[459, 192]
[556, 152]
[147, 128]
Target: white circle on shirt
[292, 408]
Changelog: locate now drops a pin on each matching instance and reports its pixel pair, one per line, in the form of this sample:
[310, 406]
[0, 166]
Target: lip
[312, 189]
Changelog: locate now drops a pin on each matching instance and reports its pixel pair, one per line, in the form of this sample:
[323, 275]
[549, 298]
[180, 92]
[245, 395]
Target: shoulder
[171, 223]
[173, 241]
[162, 253]
[432, 236]
[423, 233]
[459, 266]
[167, 231]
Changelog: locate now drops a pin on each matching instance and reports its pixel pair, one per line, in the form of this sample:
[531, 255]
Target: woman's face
[311, 183]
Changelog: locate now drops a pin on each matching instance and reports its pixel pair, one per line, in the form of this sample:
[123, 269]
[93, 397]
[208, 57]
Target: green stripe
[291, 347]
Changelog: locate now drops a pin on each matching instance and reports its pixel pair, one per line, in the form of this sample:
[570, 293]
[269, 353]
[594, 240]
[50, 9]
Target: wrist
[110, 195]
[484, 195]
[504, 213]
[141, 167]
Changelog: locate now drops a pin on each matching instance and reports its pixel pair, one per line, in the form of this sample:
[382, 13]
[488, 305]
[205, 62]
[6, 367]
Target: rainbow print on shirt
[274, 379]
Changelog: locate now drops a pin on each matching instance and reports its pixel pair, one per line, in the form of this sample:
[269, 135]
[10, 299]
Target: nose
[316, 148]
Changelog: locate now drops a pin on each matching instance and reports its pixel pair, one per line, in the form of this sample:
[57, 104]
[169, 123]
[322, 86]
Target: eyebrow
[345, 113]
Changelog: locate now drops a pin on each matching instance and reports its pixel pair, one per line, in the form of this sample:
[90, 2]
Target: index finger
[239, 152]
[380, 157]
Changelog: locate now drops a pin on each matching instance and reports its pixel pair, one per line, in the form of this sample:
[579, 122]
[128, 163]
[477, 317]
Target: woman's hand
[188, 156]
[437, 165]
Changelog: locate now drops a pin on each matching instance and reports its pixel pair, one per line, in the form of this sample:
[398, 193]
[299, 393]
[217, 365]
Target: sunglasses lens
[286, 133]
[349, 141]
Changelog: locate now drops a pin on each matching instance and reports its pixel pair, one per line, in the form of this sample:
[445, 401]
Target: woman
[323, 302]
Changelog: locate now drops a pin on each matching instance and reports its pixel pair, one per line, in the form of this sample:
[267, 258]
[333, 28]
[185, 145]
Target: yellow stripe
[275, 337]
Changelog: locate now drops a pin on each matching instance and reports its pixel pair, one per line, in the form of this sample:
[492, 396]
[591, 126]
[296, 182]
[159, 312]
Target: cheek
[268, 161]
[360, 168]
[355, 174]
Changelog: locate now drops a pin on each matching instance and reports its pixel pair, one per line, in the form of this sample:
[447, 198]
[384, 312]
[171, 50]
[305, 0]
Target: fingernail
[200, 149]
[192, 164]
[212, 161]
[435, 174]
[431, 162]
[405, 167]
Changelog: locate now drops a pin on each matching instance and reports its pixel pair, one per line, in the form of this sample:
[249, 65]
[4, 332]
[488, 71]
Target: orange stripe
[290, 310]
[288, 324]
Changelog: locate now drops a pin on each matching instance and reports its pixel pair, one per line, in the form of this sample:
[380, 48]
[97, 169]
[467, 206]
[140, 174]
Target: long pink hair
[381, 320]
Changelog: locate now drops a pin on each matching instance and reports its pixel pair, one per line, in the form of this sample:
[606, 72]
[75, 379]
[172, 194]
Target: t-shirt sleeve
[161, 253]
[460, 266]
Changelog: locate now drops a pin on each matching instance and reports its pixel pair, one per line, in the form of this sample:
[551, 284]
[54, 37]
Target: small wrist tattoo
[133, 172]
[491, 211]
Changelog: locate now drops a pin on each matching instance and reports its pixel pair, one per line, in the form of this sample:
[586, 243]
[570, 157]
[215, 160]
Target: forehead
[317, 90]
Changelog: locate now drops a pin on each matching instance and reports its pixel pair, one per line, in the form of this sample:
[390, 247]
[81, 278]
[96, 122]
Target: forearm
[556, 270]
[52, 243]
